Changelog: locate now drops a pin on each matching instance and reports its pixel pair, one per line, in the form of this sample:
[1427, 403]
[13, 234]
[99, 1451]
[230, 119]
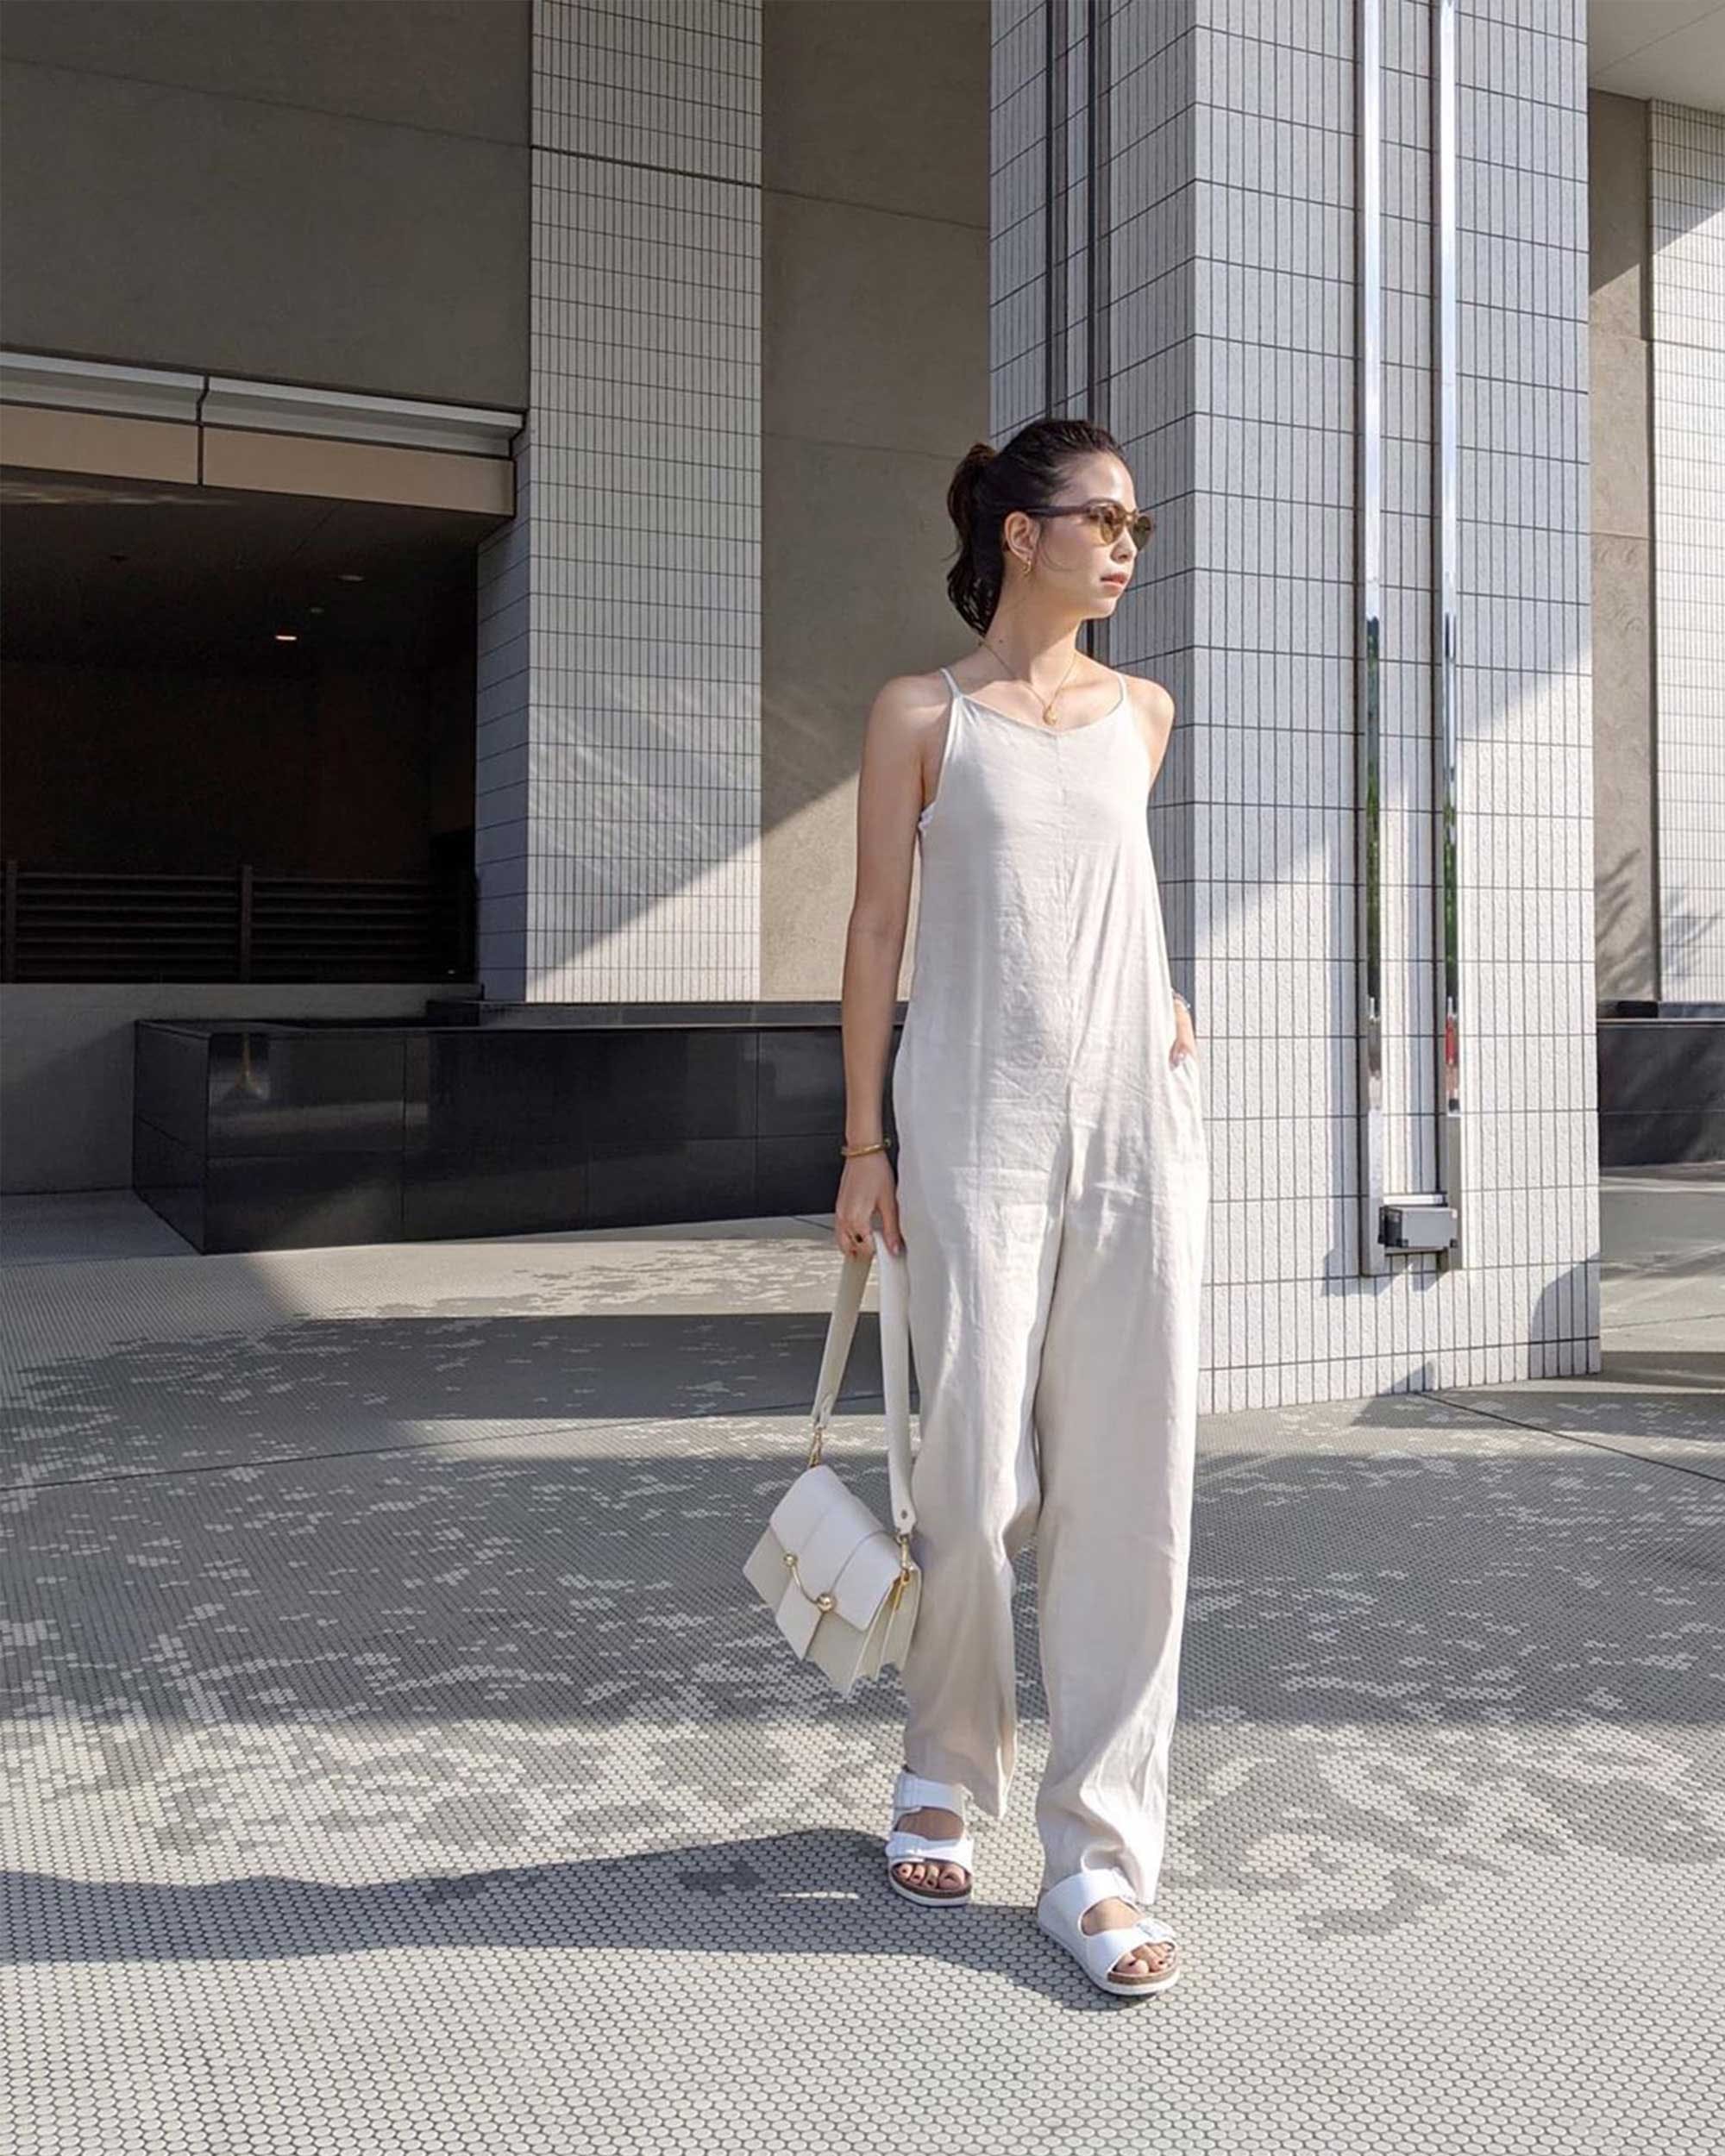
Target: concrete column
[1174, 253]
[1686, 171]
[617, 818]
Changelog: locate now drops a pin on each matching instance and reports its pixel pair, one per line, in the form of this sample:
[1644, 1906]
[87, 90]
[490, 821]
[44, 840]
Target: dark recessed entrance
[239, 737]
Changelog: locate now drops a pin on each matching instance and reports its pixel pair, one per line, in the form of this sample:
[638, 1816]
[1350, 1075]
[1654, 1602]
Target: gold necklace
[1047, 707]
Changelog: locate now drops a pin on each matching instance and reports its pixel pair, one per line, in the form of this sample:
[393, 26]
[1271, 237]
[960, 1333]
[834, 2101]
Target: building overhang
[193, 430]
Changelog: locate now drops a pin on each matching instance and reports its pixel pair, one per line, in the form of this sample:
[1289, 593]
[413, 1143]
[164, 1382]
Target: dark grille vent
[76, 926]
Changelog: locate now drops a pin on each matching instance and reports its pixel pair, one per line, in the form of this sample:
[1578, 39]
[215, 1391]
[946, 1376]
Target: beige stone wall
[874, 349]
[278, 191]
[1625, 892]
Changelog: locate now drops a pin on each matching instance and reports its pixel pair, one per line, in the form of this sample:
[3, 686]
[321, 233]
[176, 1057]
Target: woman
[1051, 1198]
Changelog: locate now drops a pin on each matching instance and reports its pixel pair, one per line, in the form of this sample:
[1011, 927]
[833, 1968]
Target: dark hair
[1028, 474]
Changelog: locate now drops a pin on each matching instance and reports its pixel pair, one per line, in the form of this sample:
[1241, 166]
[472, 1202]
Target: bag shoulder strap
[895, 1362]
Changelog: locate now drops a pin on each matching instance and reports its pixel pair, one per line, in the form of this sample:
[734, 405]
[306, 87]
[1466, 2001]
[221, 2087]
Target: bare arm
[1153, 712]
[889, 802]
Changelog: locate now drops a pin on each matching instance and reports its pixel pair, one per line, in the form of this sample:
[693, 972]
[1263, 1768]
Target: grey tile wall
[1229, 228]
[1529, 1303]
[619, 818]
[1686, 173]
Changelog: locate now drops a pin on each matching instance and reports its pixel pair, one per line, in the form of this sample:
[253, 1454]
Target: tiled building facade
[1686, 169]
[619, 801]
[1225, 238]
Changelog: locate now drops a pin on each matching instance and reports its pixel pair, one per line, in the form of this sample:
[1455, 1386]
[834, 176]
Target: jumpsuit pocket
[1186, 1071]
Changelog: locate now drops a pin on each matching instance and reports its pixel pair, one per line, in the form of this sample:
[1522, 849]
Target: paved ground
[396, 1761]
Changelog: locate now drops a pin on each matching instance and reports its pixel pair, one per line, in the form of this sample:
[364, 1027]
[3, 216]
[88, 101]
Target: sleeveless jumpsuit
[1053, 1188]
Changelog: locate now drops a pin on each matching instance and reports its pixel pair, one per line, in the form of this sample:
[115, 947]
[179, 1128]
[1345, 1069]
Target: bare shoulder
[1153, 708]
[907, 707]
[911, 697]
[901, 740]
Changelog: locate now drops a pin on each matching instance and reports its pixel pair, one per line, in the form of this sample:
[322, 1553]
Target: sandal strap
[1100, 1951]
[1063, 1906]
[912, 1792]
[906, 1847]
[1066, 1901]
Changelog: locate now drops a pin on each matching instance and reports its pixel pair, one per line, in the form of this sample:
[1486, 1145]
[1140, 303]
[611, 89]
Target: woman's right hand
[865, 1188]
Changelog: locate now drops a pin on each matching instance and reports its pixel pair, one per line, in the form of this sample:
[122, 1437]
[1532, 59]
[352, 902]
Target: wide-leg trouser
[1054, 1327]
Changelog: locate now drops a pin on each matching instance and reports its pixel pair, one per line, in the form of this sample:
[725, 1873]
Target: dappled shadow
[312, 1387]
[1409, 1659]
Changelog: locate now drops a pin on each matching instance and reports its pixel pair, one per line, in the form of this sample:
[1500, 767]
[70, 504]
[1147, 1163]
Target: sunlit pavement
[397, 1761]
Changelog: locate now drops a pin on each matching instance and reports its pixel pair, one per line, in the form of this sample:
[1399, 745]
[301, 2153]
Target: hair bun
[961, 492]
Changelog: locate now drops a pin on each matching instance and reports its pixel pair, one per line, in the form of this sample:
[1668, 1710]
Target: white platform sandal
[909, 1793]
[1060, 1912]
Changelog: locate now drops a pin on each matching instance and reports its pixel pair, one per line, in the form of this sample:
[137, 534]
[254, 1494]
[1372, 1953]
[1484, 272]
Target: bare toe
[1143, 1962]
[928, 1874]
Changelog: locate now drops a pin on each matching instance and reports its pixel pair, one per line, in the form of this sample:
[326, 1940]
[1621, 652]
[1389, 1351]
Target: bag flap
[841, 1548]
[867, 1579]
[833, 1539]
[794, 1518]
[797, 1617]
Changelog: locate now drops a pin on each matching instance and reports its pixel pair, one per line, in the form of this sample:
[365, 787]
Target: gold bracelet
[850, 1152]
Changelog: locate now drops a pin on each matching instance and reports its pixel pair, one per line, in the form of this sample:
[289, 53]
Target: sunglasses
[1109, 519]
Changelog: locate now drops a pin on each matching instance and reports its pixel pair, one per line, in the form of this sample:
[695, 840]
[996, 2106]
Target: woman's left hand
[1185, 1040]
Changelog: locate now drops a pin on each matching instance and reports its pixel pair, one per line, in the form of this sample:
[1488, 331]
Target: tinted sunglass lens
[1111, 520]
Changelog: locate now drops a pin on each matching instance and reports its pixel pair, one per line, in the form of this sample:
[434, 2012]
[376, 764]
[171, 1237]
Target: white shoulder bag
[844, 1589]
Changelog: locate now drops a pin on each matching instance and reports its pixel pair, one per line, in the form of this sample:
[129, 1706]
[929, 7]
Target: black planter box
[286, 1134]
[1661, 1083]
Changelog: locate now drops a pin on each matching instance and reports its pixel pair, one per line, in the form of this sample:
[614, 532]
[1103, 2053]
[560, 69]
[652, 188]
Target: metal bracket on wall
[1426, 1223]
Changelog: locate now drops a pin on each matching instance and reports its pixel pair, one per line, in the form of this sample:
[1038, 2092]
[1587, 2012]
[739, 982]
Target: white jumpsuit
[1053, 1186]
